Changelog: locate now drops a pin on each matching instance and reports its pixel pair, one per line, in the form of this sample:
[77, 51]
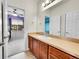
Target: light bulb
[14, 14]
[47, 1]
[43, 4]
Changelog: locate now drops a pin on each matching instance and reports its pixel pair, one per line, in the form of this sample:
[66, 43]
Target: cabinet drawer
[55, 53]
[52, 57]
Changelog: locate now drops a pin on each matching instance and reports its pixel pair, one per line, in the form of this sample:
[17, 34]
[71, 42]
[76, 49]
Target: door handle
[1, 44]
[5, 37]
[67, 32]
[59, 31]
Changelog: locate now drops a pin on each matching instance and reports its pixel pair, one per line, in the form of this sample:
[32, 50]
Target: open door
[4, 27]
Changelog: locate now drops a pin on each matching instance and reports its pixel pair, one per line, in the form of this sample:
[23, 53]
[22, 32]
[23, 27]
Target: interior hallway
[16, 43]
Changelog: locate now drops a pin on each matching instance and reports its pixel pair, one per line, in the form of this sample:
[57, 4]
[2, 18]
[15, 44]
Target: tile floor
[16, 46]
[16, 43]
[23, 55]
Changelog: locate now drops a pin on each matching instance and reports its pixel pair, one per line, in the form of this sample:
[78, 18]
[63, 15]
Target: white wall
[30, 7]
[60, 9]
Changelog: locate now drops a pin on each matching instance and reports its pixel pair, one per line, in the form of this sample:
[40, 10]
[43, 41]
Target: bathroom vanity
[45, 47]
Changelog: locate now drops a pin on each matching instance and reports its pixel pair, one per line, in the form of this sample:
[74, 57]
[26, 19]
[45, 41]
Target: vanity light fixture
[47, 2]
[50, 3]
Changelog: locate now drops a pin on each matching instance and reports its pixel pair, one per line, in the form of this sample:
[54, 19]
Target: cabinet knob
[67, 33]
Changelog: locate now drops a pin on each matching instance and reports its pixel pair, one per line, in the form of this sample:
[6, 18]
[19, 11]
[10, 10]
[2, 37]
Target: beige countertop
[62, 44]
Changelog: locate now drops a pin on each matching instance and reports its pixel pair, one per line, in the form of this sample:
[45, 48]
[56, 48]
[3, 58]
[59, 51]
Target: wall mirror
[72, 25]
[53, 25]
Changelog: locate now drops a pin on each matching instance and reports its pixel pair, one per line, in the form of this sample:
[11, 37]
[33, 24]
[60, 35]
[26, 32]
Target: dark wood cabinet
[57, 54]
[30, 41]
[43, 51]
[36, 48]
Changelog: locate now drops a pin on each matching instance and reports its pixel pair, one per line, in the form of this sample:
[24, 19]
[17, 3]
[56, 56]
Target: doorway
[16, 30]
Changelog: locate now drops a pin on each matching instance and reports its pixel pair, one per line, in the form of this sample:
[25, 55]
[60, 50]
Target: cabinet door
[43, 51]
[30, 43]
[57, 54]
[36, 48]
